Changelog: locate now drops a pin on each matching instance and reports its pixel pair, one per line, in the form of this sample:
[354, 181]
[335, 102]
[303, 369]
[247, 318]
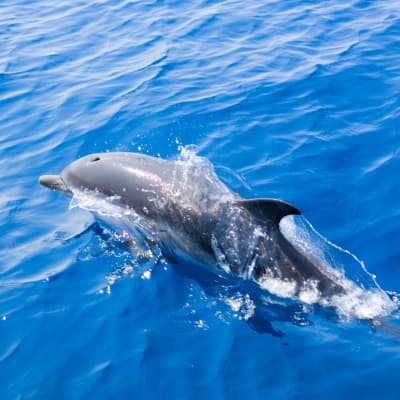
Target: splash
[113, 214]
[362, 298]
[198, 174]
[242, 306]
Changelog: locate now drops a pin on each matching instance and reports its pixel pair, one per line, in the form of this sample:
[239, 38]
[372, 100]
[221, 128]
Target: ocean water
[295, 100]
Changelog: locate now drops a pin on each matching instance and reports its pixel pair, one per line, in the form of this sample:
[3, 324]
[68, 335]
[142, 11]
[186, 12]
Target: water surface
[293, 100]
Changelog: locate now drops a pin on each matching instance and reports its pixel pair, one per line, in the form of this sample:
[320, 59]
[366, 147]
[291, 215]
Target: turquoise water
[292, 100]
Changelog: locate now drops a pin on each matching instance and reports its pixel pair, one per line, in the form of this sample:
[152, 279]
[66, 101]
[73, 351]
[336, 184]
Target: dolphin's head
[94, 173]
[81, 175]
[104, 173]
[132, 177]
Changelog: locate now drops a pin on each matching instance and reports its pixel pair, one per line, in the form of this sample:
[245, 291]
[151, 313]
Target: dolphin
[189, 212]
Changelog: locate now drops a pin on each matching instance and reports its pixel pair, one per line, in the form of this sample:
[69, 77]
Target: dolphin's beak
[54, 182]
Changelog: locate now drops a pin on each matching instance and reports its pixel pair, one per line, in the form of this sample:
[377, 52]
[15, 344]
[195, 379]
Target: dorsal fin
[269, 209]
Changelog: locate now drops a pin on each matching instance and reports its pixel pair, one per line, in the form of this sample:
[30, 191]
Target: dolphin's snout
[54, 182]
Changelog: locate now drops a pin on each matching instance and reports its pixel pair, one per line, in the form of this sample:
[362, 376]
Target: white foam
[310, 294]
[280, 287]
[362, 304]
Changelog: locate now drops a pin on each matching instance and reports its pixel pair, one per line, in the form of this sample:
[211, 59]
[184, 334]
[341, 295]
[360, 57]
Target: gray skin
[189, 211]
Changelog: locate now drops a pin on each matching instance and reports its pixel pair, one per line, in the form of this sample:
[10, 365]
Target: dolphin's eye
[94, 159]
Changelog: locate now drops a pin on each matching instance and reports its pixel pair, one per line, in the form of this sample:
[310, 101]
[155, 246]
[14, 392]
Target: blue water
[296, 100]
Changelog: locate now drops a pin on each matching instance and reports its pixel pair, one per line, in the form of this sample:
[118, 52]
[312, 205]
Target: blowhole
[94, 159]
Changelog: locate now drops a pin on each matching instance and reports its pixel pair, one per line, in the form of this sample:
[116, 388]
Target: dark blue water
[287, 99]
